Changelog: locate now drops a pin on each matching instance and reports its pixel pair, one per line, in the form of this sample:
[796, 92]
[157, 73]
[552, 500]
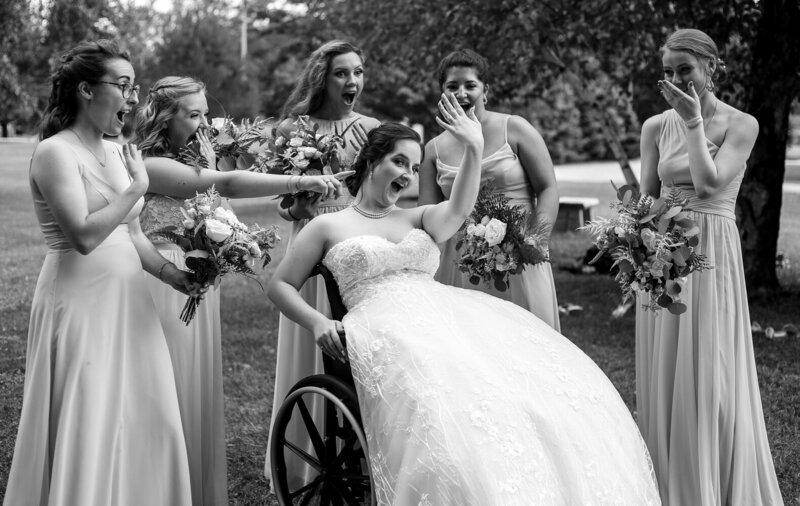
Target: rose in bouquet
[652, 242]
[306, 152]
[499, 239]
[231, 143]
[215, 243]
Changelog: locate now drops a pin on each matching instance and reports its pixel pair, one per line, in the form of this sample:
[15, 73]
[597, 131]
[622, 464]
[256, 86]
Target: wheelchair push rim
[333, 446]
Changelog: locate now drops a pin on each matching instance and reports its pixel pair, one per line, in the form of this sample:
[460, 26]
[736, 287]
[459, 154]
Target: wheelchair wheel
[333, 450]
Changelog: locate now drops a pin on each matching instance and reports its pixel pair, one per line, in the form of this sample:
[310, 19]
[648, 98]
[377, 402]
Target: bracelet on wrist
[293, 183]
[694, 122]
[161, 269]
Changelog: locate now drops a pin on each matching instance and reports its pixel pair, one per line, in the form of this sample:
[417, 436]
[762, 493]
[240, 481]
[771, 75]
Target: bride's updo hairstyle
[161, 106]
[700, 45]
[86, 62]
[380, 142]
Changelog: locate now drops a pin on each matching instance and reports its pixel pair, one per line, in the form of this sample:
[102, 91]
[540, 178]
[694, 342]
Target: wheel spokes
[311, 428]
[308, 458]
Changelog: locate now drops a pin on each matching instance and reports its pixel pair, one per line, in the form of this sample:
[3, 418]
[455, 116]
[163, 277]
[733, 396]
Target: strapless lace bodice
[364, 263]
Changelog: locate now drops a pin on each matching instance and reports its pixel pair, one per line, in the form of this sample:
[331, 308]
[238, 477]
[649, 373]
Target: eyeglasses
[127, 88]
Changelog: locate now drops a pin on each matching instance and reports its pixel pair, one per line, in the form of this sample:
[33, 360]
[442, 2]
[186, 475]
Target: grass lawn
[249, 326]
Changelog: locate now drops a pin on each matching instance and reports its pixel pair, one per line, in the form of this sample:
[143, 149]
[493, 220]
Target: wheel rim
[333, 447]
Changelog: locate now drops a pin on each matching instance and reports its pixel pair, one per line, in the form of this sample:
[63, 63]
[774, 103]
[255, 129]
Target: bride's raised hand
[686, 105]
[464, 126]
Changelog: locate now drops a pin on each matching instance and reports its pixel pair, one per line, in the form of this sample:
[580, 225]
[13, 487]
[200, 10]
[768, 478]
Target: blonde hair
[703, 47]
[160, 107]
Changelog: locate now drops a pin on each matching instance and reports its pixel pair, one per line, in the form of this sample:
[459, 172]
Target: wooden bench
[574, 212]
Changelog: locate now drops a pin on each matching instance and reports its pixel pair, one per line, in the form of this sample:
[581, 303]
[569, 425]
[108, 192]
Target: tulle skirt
[100, 422]
[470, 400]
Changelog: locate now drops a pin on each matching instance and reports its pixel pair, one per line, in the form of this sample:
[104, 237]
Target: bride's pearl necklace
[372, 216]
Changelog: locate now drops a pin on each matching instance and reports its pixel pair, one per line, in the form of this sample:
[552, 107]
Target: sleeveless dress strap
[505, 129]
[436, 148]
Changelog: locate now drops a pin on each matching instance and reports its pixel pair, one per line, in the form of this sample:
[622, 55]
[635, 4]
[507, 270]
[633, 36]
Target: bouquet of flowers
[652, 244]
[215, 243]
[306, 152]
[499, 239]
[229, 141]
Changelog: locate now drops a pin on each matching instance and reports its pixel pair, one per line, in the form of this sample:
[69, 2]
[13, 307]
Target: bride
[466, 399]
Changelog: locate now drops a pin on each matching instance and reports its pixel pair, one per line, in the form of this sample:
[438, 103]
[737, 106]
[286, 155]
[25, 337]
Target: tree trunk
[772, 84]
[4, 127]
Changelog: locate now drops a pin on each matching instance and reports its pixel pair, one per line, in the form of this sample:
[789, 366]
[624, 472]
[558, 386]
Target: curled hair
[380, 142]
[86, 62]
[463, 58]
[703, 47]
[161, 106]
[309, 92]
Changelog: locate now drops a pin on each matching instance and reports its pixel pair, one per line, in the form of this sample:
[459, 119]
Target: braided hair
[86, 62]
[161, 106]
[380, 142]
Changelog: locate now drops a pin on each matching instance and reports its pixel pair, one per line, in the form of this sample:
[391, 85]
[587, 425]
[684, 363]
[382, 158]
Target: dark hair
[309, 92]
[86, 62]
[160, 107]
[463, 58]
[380, 142]
[699, 44]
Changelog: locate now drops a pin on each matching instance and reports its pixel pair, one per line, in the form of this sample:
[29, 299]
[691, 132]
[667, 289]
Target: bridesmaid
[515, 160]
[175, 111]
[698, 402]
[100, 422]
[327, 91]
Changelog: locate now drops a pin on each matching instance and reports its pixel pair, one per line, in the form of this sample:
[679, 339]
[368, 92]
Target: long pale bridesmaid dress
[100, 423]
[196, 353]
[699, 407]
[297, 353]
[534, 289]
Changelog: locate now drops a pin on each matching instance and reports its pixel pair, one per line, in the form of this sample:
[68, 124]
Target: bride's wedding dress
[470, 400]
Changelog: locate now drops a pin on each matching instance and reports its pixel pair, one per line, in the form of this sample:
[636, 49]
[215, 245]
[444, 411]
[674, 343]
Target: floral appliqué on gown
[471, 400]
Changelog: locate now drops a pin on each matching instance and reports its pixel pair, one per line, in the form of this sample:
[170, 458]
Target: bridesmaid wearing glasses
[100, 422]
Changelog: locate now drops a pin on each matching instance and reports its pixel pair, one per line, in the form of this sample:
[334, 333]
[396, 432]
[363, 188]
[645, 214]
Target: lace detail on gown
[470, 400]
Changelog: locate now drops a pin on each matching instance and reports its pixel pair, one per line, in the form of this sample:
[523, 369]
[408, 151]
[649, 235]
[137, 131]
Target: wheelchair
[335, 448]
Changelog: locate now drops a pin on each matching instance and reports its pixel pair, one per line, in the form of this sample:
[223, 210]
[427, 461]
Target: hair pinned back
[161, 106]
[380, 142]
[86, 62]
[703, 47]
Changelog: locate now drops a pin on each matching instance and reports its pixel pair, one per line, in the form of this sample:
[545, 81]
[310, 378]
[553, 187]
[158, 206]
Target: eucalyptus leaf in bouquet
[652, 243]
[305, 152]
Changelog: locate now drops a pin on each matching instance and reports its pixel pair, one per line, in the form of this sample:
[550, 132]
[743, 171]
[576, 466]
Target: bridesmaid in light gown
[327, 91]
[100, 422]
[176, 110]
[697, 394]
[517, 164]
